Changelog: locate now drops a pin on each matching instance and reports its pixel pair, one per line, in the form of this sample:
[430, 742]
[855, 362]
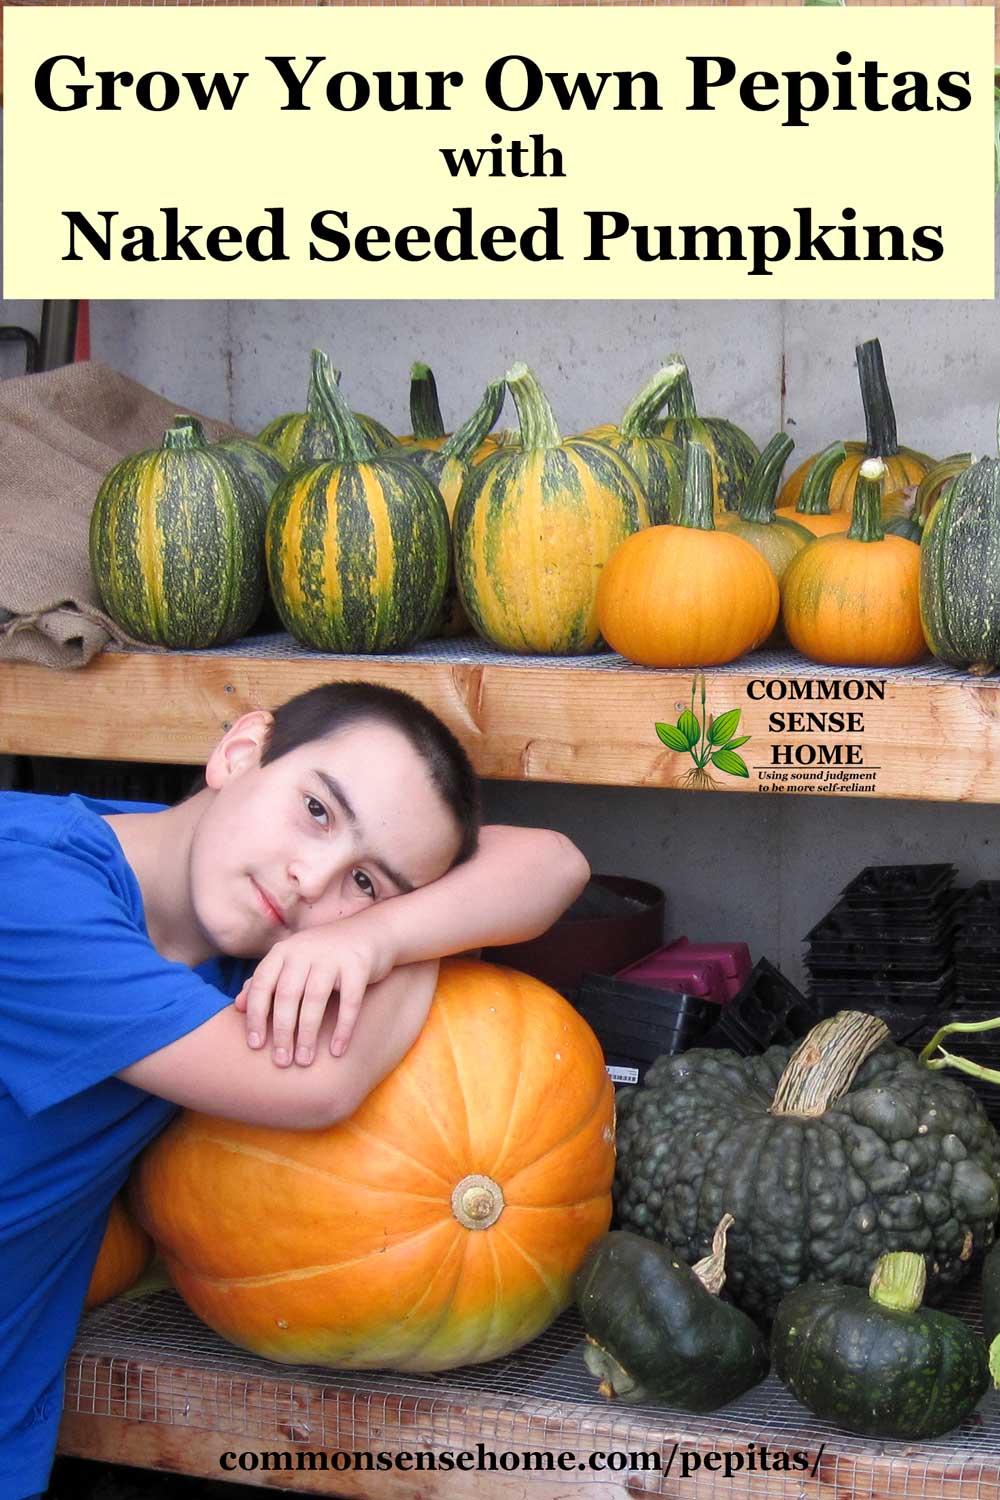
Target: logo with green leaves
[708, 740]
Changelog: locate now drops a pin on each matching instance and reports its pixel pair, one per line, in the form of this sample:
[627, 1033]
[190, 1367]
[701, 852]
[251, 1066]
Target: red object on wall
[81, 348]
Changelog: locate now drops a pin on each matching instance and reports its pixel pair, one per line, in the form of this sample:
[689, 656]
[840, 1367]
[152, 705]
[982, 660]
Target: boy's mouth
[269, 907]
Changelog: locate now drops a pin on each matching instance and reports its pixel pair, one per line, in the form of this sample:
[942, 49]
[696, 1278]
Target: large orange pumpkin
[124, 1254]
[440, 1225]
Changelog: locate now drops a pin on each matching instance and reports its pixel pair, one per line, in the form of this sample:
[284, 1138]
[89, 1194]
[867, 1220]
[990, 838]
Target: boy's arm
[211, 1069]
[518, 882]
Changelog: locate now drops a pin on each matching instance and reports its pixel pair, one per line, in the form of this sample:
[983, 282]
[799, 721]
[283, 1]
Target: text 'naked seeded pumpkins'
[440, 1225]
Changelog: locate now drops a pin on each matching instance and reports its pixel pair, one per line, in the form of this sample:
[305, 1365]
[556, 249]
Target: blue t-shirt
[83, 993]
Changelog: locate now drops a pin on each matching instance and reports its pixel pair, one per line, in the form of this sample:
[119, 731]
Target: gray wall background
[756, 868]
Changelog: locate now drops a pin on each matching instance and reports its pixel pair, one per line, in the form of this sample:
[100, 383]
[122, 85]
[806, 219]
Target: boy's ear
[239, 749]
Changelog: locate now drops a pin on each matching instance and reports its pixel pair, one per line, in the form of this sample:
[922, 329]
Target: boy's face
[319, 834]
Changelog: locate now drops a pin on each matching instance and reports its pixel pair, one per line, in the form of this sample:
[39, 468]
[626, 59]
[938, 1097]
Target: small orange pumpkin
[854, 600]
[125, 1252]
[440, 1225]
[687, 595]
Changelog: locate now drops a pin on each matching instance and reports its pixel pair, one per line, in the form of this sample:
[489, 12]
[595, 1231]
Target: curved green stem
[534, 414]
[319, 364]
[352, 442]
[641, 414]
[463, 443]
[696, 506]
[815, 497]
[950, 1060]
[880, 419]
[866, 516]
[758, 500]
[680, 398]
[425, 409]
[183, 434]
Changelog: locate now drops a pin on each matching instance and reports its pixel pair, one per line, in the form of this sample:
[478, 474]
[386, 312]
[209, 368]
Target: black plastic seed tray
[768, 1009]
[624, 997]
[909, 1025]
[926, 956]
[664, 1038]
[842, 925]
[855, 991]
[881, 975]
[892, 887]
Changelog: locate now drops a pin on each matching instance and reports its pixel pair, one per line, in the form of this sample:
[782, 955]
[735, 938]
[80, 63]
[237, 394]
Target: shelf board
[148, 1385]
[926, 732]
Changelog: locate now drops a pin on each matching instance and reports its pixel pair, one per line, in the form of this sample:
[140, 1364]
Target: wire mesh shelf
[149, 1360]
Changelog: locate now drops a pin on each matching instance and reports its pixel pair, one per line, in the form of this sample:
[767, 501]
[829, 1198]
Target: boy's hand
[297, 978]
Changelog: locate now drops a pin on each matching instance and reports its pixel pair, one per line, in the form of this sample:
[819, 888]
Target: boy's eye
[315, 808]
[367, 888]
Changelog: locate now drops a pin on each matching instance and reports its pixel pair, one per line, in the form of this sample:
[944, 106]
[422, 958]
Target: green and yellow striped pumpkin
[177, 544]
[658, 462]
[533, 528]
[305, 437]
[777, 539]
[731, 452]
[357, 548]
[447, 468]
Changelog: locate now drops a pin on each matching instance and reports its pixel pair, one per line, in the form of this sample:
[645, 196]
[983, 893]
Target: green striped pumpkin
[261, 467]
[535, 525]
[731, 452]
[177, 544]
[357, 548]
[447, 468]
[776, 538]
[960, 570]
[306, 437]
[657, 461]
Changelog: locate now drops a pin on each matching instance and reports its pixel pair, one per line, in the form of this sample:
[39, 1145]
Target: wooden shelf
[147, 1385]
[927, 733]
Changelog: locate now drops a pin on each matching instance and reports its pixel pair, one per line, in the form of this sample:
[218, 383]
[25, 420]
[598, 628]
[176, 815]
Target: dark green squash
[657, 1329]
[827, 1157]
[261, 467]
[960, 570]
[357, 548]
[301, 438]
[177, 543]
[732, 453]
[876, 1362]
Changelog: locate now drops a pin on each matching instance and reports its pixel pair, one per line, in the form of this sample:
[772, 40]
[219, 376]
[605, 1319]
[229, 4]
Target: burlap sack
[60, 433]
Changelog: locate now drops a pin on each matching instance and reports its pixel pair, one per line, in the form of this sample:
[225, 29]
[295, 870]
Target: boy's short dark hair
[323, 711]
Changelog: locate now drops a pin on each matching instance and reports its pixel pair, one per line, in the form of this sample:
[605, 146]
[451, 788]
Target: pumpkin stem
[318, 361]
[880, 419]
[823, 1065]
[758, 500]
[183, 434]
[950, 1060]
[352, 442]
[680, 397]
[696, 505]
[463, 443]
[711, 1271]
[866, 514]
[936, 481]
[898, 1281]
[534, 414]
[815, 497]
[425, 409]
[640, 419]
[614, 1379]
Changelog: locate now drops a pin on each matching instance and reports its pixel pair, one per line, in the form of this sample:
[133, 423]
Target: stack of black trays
[636, 1023]
[768, 1011]
[886, 948]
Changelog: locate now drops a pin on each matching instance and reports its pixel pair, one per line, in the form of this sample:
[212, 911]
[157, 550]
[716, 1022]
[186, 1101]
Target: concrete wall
[763, 869]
